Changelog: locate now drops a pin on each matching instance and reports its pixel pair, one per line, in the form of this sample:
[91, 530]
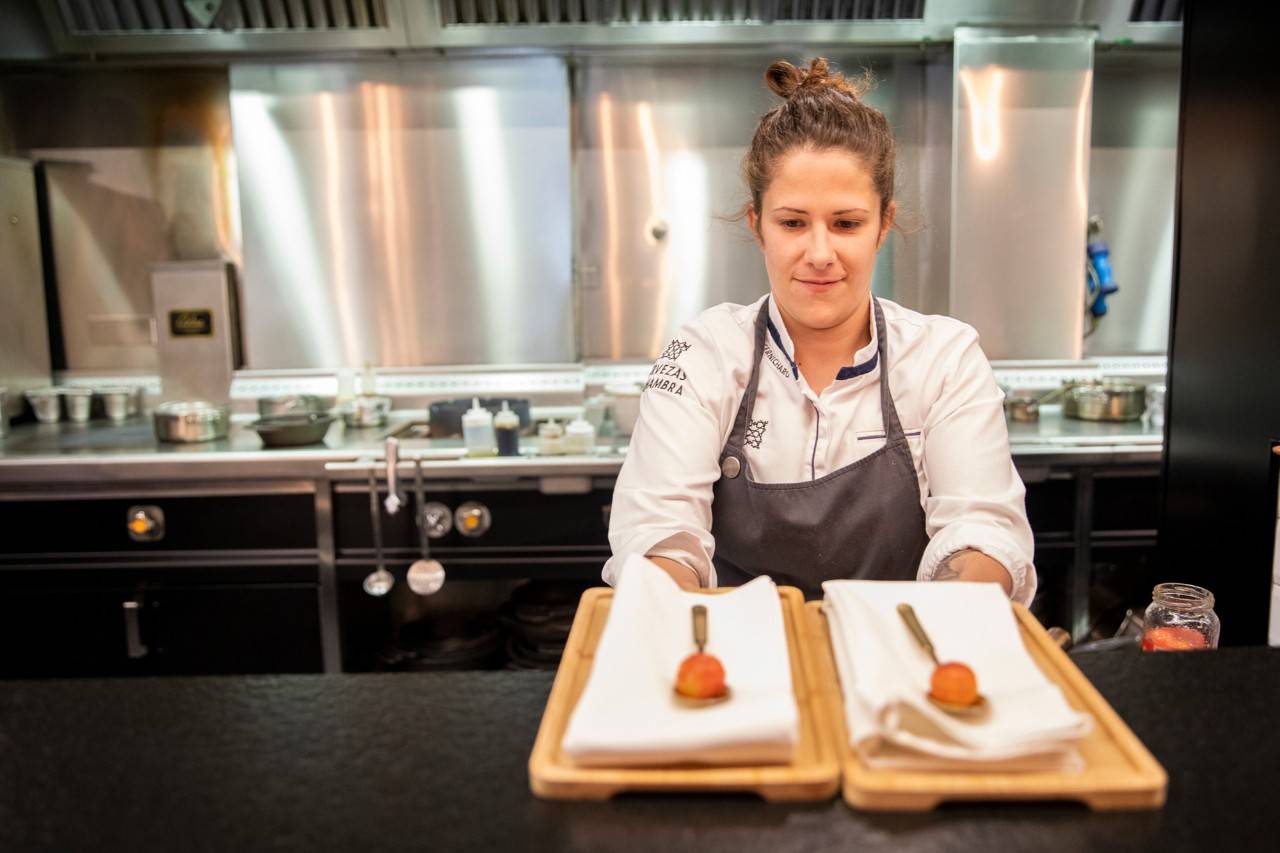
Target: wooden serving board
[813, 775]
[1119, 774]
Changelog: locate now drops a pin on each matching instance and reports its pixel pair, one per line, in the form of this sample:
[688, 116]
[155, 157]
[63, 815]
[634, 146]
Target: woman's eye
[847, 224]
[791, 223]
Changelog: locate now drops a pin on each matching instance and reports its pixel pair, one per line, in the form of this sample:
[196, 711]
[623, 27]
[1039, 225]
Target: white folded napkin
[884, 676]
[628, 715]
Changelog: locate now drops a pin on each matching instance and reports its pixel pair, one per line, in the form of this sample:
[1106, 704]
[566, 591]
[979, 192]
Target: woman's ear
[887, 222]
[753, 222]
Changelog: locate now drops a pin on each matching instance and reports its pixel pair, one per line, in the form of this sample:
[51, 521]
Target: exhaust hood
[174, 27]
[525, 12]
[223, 26]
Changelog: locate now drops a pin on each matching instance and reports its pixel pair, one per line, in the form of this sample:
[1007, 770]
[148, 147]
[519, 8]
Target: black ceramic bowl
[292, 430]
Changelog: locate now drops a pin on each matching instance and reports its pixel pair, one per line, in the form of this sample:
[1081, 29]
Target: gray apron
[863, 521]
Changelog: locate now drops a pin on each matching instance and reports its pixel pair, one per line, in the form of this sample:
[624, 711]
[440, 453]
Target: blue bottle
[1099, 282]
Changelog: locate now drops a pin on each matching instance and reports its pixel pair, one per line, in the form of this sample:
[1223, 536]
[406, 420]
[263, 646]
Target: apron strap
[893, 432]
[739, 434]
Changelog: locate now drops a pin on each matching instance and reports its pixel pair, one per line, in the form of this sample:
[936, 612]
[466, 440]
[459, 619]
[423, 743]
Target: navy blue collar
[777, 339]
[850, 372]
[859, 369]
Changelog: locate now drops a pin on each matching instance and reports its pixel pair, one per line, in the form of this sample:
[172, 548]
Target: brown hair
[823, 109]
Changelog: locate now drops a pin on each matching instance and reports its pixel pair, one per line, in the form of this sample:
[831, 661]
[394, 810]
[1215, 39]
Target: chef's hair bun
[823, 110]
[788, 81]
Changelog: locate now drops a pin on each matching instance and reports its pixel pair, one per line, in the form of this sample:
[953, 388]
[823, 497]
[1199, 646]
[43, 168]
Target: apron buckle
[731, 467]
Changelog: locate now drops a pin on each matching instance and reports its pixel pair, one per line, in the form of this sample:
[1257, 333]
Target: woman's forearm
[686, 577]
[974, 566]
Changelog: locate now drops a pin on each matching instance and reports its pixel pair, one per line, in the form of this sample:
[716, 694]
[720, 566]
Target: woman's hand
[974, 566]
[686, 577]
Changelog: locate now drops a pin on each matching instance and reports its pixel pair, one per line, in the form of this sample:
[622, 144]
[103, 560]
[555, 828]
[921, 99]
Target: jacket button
[731, 467]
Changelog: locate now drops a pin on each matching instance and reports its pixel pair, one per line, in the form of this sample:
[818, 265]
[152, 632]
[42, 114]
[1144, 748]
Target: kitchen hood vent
[202, 27]
[170, 17]
[1155, 12]
[176, 27]
[620, 12]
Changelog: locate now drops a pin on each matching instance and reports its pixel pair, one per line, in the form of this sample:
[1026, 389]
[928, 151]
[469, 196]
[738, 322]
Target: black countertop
[438, 762]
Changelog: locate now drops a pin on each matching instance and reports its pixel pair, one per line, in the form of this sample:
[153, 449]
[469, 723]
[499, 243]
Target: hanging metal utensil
[393, 501]
[426, 575]
[378, 582]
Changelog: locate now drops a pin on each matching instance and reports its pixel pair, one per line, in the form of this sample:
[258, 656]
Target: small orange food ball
[954, 683]
[701, 676]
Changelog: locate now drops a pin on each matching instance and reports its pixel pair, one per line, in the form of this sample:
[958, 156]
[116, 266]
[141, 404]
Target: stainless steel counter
[98, 451]
[1055, 440]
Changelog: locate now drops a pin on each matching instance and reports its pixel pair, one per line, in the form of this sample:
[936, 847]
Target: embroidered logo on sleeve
[675, 349]
[755, 433]
[666, 377]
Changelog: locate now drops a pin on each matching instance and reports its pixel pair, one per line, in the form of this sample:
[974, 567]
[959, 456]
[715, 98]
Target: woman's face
[819, 227]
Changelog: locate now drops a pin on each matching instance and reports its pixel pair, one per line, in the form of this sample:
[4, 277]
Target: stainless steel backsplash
[139, 169]
[658, 193]
[405, 213]
[1133, 163]
[531, 209]
[1019, 187]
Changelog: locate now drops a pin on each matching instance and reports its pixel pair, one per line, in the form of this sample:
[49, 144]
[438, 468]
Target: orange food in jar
[1172, 638]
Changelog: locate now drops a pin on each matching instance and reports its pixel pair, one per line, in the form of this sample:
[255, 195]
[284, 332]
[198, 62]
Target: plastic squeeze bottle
[580, 438]
[550, 438]
[507, 426]
[477, 430]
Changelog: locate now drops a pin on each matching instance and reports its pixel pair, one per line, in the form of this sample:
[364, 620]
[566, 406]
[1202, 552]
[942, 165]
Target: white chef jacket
[947, 399]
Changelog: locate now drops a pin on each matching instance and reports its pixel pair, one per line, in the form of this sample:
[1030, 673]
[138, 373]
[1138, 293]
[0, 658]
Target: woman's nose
[819, 252]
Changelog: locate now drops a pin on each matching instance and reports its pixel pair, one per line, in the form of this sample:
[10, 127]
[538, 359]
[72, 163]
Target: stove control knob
[145, 523]
[437, 520]
[472, 519]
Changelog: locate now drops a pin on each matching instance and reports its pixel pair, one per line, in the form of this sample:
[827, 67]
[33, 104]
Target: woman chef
[819, 432]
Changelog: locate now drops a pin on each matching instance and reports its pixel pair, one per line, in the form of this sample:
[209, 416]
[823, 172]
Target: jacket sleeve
[662, 500]
[976, 499]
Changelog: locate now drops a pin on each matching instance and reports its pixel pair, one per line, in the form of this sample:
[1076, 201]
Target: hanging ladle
[426, 575]
[979, 705]
[378, 582]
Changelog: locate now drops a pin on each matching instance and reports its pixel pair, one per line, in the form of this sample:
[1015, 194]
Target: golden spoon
[978, 707]
[700, 640]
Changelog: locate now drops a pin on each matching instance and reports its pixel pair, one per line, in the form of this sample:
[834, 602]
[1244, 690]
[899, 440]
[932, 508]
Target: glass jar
[1180, 618]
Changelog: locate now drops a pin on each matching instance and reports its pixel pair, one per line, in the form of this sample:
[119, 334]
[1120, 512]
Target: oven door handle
[133, 644]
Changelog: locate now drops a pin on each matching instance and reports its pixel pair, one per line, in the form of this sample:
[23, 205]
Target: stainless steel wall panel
[24, 330]
[1133, 163]
[657, 181]
[405, 213]
[922, 127]
[1019, 191]
[138, 169]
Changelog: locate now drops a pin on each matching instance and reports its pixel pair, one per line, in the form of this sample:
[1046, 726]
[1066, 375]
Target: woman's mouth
[819, 282]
